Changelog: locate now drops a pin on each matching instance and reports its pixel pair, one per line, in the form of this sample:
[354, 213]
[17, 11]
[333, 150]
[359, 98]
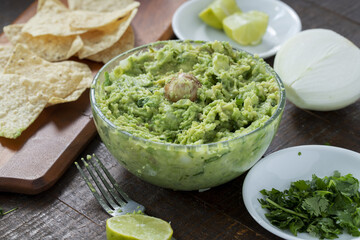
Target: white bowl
[279, 169]
[283, 24]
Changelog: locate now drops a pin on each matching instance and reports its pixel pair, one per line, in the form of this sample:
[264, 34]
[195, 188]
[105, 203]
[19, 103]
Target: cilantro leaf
[324, 228]
[356, 218]
[347, 185]
[346, 221]
[302, 185]
[296, 225]
[315, 205]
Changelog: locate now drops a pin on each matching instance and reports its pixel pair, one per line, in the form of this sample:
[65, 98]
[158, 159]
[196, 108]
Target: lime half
[246, 28]
[214, 14]
[137, 227]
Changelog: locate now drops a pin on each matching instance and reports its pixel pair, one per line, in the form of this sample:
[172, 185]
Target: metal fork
[111, 198]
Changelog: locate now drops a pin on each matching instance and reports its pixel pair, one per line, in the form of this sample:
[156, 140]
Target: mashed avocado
[189, 94]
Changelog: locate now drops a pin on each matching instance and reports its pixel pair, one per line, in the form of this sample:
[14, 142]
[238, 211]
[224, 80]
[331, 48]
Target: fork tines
[112, 199]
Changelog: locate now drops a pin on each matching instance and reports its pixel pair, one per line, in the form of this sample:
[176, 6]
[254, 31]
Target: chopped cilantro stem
[285, 209]
[3, 214]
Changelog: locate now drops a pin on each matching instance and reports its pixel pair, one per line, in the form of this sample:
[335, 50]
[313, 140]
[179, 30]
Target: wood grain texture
[69, 211]
[351, 13]
[153, 21]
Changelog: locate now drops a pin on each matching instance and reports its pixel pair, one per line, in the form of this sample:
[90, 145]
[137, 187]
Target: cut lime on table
[137, 227]
[214, 14]
[246, 28]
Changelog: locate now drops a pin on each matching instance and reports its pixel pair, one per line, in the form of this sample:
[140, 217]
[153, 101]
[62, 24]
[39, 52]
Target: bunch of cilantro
[323, 207]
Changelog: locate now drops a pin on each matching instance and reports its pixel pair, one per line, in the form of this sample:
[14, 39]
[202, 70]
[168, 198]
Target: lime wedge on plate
[137, 227]
[214, 14]
[246, 28]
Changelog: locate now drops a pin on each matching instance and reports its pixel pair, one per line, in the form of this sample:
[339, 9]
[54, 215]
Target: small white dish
[283, 24]
[279, 169]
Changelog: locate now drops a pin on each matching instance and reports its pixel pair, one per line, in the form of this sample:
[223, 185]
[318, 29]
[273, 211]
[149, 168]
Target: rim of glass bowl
[130, 52]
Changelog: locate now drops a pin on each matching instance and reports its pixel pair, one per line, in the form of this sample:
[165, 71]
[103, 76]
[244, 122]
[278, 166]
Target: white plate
[283, 24]
[279, 169]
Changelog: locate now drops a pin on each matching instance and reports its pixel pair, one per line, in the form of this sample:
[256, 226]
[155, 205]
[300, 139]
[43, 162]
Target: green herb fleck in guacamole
[189, 94]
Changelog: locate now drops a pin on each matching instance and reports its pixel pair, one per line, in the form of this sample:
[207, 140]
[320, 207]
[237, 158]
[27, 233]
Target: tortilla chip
[90, 20]
[40, 4]
[62, 77]
[99, 5]
[97, 40]
[51, 48]
[125, 43]
[52, 18]
[21, 103]
[82, 86]
[5, 53]
[72, 97]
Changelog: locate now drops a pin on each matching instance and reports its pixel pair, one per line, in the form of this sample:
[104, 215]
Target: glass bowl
[176, 166]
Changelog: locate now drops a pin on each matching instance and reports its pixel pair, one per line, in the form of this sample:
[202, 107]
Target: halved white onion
[320, 70]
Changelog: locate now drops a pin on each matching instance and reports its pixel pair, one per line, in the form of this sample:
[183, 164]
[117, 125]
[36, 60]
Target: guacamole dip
[185, 93]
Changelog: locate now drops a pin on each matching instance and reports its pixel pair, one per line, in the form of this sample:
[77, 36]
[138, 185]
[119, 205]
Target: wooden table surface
[69, 211]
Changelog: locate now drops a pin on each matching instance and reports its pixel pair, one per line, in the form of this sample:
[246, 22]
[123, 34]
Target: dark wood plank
[337, 128]
[313, 16]
[13, 9]
[218, 213]
[45, 217]
[343, 10]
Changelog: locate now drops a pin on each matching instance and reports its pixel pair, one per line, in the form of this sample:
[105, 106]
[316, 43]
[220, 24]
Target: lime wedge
[136, 227]
[246, 28]
[214, 14]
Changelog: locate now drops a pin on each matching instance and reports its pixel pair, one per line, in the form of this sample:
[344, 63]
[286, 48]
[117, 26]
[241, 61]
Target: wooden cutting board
[33, 162]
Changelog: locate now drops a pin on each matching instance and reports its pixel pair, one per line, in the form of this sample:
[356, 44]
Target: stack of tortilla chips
[33, 73]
